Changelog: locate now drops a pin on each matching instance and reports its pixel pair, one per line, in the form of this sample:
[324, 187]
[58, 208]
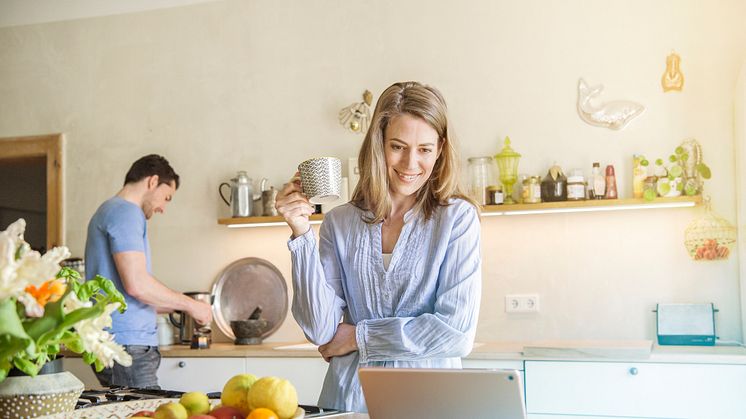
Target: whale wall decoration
[615, 114]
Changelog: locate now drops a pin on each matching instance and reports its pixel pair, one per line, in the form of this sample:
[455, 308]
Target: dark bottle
[554, 186]
[611, 192]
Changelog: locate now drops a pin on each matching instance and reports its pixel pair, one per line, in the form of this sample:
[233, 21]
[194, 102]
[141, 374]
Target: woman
[396, 281]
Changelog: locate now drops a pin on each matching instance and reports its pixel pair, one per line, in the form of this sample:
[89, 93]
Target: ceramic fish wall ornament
[672, 79]
[615, 114]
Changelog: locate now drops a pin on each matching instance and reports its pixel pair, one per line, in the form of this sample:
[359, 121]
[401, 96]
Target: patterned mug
[321, 179]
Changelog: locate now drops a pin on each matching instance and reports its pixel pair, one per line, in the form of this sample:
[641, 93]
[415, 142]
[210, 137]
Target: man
[117, 248]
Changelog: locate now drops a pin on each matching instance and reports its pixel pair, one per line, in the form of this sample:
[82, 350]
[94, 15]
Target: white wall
[256, 85]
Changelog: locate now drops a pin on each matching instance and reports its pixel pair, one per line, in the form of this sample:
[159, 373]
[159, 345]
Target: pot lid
[243, 286]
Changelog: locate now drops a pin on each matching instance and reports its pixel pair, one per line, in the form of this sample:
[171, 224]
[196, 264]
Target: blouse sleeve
[449, 331]
[318, 297]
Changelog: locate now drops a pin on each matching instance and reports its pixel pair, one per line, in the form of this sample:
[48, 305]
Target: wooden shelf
[591, 206]
[515, 209]
[262, 221]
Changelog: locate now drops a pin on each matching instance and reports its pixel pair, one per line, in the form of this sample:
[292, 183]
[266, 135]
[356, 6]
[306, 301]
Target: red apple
[202, 417]
[227, 412]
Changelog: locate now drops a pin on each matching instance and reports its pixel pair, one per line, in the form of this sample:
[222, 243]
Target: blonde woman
[400, 263]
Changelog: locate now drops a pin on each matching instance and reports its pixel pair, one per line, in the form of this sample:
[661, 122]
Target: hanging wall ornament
[614, 115]
[709, 237]
[672, 79]
[356, 117]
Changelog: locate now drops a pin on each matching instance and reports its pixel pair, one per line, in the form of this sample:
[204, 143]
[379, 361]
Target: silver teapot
[241, 194]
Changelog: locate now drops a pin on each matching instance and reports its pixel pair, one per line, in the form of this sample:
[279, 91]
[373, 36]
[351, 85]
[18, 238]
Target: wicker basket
[709, 237]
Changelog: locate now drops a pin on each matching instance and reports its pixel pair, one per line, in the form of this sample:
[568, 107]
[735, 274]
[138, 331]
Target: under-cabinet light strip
[521, 212]
[591, 209]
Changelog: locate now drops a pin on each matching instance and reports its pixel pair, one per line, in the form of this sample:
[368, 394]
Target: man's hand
[342, 343]
[201, 312]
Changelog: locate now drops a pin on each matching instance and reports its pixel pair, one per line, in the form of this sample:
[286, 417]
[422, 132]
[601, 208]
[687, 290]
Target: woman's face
[411, 147]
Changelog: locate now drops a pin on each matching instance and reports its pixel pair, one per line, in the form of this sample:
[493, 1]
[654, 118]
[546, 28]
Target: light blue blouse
[420, 313]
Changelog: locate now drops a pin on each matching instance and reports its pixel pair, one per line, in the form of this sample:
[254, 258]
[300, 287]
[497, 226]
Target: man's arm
[142, 286]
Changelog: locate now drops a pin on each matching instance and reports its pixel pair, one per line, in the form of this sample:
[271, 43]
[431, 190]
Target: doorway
[31, 187]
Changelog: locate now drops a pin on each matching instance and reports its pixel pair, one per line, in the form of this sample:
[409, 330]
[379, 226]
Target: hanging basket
[710, 237]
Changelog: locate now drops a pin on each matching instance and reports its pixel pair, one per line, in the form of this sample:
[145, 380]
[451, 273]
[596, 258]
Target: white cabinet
[210, 374]
[640, 390]
[198, 374]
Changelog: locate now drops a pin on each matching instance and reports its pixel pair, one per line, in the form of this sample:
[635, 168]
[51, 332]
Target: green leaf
[704, 170]
[672, 158]
[679, 150]
[684, 157]
[649, 194]
[26, 366]
[644, 163]
[659, 162]
[675, 171]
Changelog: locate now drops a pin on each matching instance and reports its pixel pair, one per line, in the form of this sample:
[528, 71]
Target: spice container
[494, 195]
[576, 186]
[532, 190]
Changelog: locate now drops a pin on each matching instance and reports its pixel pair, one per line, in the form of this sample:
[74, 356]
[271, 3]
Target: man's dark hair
[150, 165]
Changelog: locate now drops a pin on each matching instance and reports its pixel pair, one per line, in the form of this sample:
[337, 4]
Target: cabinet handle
[633, 371]
[182, 364]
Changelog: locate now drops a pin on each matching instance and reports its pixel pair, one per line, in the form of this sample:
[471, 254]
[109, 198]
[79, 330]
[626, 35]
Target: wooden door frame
[50, 147]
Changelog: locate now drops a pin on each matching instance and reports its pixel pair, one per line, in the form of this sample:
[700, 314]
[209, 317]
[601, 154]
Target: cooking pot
[185, 323]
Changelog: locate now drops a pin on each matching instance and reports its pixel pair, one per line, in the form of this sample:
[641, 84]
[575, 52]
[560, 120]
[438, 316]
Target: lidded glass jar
[481, 175]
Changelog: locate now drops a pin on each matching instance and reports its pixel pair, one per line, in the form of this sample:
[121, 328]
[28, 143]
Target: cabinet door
[695, 391]
[198, 374]
[306, 374]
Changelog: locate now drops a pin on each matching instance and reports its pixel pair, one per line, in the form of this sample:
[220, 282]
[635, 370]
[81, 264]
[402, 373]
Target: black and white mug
[321, 179]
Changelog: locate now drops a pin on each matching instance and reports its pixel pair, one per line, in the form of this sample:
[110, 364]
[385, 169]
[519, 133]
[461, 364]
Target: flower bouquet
[43, 306]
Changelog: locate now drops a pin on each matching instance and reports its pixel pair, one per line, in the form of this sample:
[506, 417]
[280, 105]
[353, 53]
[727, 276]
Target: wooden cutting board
[606, 349]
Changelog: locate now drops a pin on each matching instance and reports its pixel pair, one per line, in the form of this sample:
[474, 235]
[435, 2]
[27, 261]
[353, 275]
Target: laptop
[407, 393]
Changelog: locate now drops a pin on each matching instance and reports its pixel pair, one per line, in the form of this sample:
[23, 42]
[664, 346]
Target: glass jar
[576, 186]
[481, 175]
[532, 190]
[494, 195]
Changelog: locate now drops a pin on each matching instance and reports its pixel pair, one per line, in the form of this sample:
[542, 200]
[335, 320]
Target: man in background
[117, 248]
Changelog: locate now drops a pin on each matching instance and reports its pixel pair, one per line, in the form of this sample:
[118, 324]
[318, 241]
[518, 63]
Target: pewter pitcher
[241, 195]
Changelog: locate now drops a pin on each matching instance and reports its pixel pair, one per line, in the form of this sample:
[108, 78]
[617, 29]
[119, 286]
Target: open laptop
[407, 393]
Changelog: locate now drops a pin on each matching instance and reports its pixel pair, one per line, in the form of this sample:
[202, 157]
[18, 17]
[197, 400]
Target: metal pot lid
[242, 286]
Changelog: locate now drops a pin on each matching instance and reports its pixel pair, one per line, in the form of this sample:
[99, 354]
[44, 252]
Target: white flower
[31, 268]
[95, 339]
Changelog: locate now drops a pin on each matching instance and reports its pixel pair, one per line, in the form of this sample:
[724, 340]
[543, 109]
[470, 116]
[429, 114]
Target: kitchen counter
[595, 350]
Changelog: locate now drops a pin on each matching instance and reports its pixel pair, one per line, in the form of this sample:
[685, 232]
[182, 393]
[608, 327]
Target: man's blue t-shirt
[120, 226]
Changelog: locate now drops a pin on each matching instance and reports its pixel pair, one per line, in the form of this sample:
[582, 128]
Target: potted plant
[42, 308]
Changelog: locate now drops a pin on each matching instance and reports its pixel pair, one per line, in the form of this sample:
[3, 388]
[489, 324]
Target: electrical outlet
[522, 303]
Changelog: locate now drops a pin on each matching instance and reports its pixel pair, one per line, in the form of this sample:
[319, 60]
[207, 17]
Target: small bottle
[599, 183]
[610, 183]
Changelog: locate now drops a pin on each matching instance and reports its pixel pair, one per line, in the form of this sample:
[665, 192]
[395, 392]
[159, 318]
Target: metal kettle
[185, 324]
[241, 196]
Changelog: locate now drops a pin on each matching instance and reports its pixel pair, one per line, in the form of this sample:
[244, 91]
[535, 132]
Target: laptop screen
[393, 393]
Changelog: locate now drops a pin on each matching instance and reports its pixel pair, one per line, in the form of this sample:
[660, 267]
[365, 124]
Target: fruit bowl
[123, 410]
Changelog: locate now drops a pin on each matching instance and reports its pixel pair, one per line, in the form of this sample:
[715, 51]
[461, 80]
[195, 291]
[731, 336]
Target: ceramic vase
[52, 391]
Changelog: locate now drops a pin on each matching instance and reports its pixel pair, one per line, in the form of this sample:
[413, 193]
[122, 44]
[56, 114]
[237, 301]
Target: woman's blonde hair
[372, 190]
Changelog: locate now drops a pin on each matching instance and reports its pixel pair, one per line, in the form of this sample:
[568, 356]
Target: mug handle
[220, 191]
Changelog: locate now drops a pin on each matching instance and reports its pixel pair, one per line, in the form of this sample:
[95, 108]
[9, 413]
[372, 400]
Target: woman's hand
[342, 343]
[294, 206]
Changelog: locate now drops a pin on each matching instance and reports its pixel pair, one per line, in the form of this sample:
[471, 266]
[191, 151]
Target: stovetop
[91, 398]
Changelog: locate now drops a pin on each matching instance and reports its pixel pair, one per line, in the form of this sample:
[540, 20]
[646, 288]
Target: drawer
[648, 390]
[198, 374]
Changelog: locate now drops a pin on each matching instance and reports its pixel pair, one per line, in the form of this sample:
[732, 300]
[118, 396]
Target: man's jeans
[142, 372]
